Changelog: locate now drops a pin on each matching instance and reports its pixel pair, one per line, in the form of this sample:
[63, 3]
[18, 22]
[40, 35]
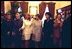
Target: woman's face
[47, 16]
[59, 16]
[37, 17]
[27, 16]
[17, 15]
[8, 17]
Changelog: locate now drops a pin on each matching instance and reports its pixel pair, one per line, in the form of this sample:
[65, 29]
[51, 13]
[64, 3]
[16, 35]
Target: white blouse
[27, 26]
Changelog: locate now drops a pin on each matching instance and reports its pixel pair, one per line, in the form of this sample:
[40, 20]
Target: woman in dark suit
[6, 29]
[16, 34]
[48, 30]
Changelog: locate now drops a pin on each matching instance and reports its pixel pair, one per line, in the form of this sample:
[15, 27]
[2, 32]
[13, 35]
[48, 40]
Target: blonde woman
[27, 30]
[37, 29]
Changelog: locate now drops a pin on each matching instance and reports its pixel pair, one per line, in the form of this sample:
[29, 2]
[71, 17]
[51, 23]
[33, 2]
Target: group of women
[18, 32]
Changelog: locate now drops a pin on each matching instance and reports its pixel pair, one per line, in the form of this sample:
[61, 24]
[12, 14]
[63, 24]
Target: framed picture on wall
[33, 10]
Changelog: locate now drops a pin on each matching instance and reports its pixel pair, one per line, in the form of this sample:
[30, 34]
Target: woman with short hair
[37, 30]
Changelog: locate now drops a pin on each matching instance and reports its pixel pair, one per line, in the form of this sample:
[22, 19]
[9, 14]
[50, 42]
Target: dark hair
[16, 13]
[28, 15]
[38, 15]
[57, 15]
[23, 14]
[48, 13]
[8, 14]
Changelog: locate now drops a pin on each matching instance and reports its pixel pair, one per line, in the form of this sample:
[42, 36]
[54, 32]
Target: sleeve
[43, 29]
[32, 25]
[52, 27]
[13, 26]
[41, 26]
[23, 25]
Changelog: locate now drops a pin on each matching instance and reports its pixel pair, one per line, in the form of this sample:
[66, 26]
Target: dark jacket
[16, 26]
[16, 38]
[6, 27]
[6, 30]
[66, 33]
[48, 30]
[48, 27]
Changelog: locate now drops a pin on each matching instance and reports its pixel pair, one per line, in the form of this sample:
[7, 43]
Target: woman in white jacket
[27, 30]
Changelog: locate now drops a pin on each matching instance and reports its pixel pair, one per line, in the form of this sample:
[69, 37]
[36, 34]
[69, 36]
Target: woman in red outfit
[57, 29]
